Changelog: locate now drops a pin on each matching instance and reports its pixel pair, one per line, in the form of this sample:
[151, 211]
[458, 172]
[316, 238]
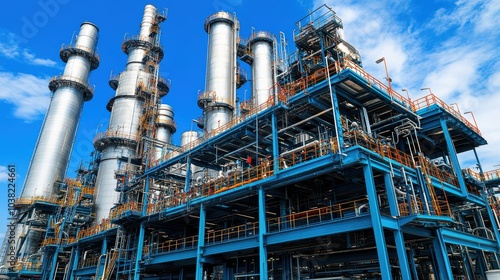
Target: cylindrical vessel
[135, 87]
[165, 127]
[52, 152]
[261, 45]
[221, 69]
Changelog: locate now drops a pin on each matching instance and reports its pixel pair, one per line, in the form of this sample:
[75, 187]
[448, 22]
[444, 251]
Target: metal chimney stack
[52, 151]
[261, 44]
[136, 87]
[218, 99]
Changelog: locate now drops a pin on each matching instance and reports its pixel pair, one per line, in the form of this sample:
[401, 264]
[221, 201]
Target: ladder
[115, 253]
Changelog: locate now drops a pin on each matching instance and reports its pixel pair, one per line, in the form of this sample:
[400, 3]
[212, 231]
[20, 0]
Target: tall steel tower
[138, 90]
[57, 135]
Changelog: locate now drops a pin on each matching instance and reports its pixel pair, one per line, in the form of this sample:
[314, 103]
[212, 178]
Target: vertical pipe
[201, 244]
[262, 232]
[453, 156]
[276, 152]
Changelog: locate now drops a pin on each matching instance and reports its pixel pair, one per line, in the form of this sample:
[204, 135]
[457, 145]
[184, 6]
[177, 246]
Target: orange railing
[104, 225]
[171, 245]
[373, 81]
[333, 212]
[31, 200]
[492, 175]
[117, 212]
[236, 232]
[428, 100]
[115, 134]
[90, 261]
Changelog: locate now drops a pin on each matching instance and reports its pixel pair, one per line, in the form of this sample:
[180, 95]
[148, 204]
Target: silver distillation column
[57, 135]
[137, 84]
[218, 99]
[261, 45]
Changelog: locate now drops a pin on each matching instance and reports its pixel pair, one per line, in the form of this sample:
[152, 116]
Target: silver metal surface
[221, 67]
[261, 45]
[125, 117]
[52, 151]
[165, 127]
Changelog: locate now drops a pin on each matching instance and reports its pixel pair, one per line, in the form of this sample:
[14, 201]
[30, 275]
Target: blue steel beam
[262, 234]
[472, 241]
[453, 156]
[320, 229]
[74, 265]
[231, 246]
[378, 230]
[276, 152]
[140, 247]
[201, 244]
[336, 115]
[172, 256]
[441, 254]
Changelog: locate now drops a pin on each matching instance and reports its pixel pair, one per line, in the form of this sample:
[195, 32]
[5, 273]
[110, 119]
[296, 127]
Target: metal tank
[135, 86]
[261, 45]
[218, 100]
[57, 135]
[165, 127]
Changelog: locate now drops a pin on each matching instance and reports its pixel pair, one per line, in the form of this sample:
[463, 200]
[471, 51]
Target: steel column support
[338, 123]
[378, 230]
[492, 218]
[74, 264]
[187, 184]
[391, 195]
[140, 247]
[412, 263]
[201, 243]
[398, 235]
[262, 233]
[442, 260]
[453, 156]
[276, 152]
[100, 266]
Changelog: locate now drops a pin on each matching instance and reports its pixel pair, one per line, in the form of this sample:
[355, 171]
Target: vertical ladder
[115, 254]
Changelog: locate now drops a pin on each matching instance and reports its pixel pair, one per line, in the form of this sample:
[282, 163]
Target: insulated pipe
[261, 44]
[52, 151]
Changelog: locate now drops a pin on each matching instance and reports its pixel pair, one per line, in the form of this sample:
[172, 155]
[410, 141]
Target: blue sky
[449, 46]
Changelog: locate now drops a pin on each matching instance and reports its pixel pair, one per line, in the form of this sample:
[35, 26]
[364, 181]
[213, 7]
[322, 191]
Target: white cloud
[454, 53]
[3, 174]
[9, 48]
[31, 59]
[29, 94]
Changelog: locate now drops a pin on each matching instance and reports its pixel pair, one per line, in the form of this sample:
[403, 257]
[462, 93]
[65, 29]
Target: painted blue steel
[189, 254]
[276, 152]
[188, 175]
[74, 265]
[378, 230]
[339, 132]
[140, 247]
[402, 257]
[231, 246]
[201, 243]
[319, 229]
[391, 195]
[412, 263]
[262, 235]
[472, 241]
[102, 260]
[442, 260]
[454, 159]
[493, 221]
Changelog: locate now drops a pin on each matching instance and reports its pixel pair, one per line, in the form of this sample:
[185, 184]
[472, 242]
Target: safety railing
[328, 213]
[117, 212]
[115, 134]
[357, 137]
[171, 245]
[236, 232]
[373, 81]
[90, 261]
[50, 241]
[24, 266]
[103, 226]
[442, 175]
[30, 200]
[431, 99]
[492, 175]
